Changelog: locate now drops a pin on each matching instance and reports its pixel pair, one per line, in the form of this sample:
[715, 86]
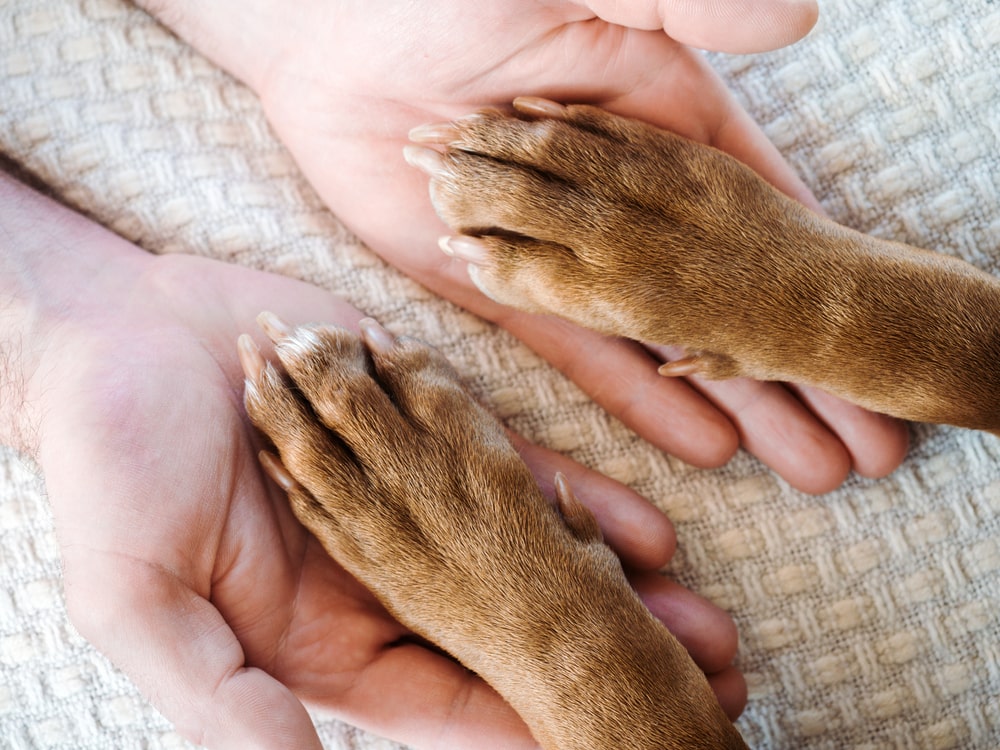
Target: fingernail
[536, 105]
[277, 471]
[250, 358]
[375, 336]
[436, 132]
[465, 248]
[425, 159]
[273, 326]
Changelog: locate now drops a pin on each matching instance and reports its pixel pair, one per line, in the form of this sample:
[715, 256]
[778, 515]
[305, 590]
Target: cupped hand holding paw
[343, 85]
[182, 561]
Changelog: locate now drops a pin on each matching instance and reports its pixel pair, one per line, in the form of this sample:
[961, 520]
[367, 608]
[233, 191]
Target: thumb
[735, 26]
[184, 657]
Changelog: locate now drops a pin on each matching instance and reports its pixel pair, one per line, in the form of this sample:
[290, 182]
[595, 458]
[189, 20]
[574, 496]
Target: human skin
[342, 83]
[182, 561]
[90, 374]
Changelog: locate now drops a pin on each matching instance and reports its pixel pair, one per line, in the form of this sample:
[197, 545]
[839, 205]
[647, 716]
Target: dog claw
[469, 249]
[441, 133]
[277, 471]
[376, 338]
[250, 357]
[275, 328]
[576, 515]
[681, 368]
[538, 106]
[425, 159]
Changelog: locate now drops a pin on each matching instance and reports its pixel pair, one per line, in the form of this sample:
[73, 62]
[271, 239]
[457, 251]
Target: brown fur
[633, 231]
[415, 489]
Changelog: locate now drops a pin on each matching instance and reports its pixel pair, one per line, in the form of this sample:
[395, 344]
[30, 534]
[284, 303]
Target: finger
[621, 377]
[640, 534]
[730, 687]
[180, 652]
[777, 428]
[877, 443]
[735, 26]
[782, 432]
[706, 631]
[439, 705]
[809, 437]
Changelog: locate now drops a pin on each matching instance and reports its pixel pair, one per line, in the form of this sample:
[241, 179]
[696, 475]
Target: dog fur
[637, 232]
[414, 488]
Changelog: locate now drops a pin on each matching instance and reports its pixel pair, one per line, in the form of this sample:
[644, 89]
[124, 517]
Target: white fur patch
[302, 343]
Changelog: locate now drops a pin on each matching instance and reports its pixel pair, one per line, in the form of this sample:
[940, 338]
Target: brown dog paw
[634, 231]
[407, 481]
[614, 224]
[415, 489]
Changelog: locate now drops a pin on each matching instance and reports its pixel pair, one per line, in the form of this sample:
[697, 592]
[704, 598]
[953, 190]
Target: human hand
[342, 85]
[182, 562]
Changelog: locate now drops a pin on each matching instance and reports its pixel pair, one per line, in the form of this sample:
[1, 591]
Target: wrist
[51, 264]
[23, 256]
[246, 38]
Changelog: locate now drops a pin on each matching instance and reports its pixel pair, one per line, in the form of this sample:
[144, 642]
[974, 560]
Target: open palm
[343, 83]
[184, 564]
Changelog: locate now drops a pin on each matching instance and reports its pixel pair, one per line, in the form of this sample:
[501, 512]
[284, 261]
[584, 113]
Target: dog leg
[636, 232]
[415, 489]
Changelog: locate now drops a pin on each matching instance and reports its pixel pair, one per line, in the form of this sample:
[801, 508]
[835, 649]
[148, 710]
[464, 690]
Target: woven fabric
[868, 616]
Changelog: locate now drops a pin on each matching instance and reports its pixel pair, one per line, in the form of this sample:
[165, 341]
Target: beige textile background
[868, 616]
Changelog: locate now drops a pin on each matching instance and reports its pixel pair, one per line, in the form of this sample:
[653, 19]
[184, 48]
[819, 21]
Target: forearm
[50, 258]
[244, 38]
[14, 430]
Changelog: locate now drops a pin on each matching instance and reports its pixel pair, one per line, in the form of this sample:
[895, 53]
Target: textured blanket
[868, 616]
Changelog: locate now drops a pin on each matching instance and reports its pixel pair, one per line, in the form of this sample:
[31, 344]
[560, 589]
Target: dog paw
[409, 483]
[415, 489]
[609, 222]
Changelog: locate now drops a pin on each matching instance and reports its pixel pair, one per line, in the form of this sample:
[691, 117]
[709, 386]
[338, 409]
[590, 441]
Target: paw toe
[313, 457]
